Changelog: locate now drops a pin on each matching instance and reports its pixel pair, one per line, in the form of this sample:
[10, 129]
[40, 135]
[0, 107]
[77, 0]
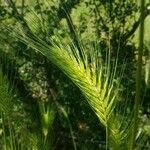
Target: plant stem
[106, 137]
[4, 133]
[22, 8]
[138, 78]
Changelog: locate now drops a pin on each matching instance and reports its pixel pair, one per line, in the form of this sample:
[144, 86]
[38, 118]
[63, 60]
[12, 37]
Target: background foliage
[37, 100]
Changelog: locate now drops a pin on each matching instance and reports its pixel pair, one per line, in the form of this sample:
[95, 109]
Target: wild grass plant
[98, 81]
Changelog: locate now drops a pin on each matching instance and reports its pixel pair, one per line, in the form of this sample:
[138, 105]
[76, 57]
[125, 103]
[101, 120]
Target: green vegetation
[74, 74]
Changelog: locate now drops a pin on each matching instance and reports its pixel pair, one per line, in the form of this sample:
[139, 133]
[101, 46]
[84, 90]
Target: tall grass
[97, 81]
[15, 134]
[138, 76]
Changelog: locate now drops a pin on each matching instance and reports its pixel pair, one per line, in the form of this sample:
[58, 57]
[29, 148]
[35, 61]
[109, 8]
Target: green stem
[4, 133]
[138, 77]
[63, 111]
[22, 8]
[11, 139]
[107, 137]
